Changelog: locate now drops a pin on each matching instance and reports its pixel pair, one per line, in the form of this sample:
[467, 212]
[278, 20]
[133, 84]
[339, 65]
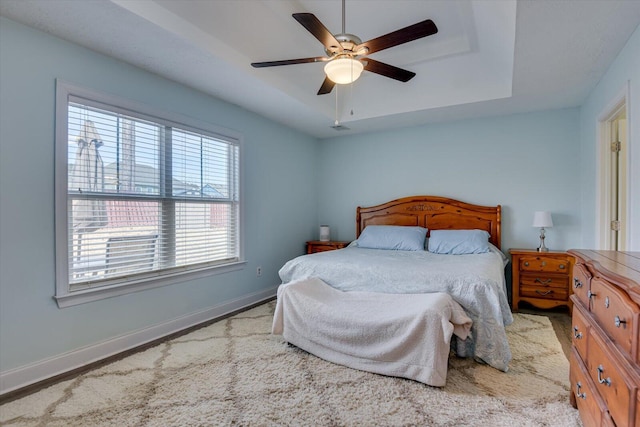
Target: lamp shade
[343, 71]
[542, 219]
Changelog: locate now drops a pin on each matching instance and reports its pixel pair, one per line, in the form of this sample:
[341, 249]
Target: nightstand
[541, 278]
[314, 246]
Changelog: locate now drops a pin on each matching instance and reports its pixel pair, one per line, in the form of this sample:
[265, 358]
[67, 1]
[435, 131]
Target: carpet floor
[235, 373]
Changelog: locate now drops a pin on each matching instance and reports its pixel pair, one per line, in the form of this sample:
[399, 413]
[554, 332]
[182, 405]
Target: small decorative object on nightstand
[540, 278]
[314, 246]
[542, 220]
[325, 233]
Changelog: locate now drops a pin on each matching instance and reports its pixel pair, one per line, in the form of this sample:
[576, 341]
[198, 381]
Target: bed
[474, 281]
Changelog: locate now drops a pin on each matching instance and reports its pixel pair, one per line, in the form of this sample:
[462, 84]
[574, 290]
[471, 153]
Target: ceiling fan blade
[388, 70]
[315, 27]
[327, 86]
[289, 62]
[403, 35]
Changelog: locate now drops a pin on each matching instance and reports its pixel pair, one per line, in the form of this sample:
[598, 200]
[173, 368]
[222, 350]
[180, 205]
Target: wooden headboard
[434, 213]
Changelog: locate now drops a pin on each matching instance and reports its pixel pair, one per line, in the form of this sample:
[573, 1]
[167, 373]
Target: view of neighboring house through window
[145, 196]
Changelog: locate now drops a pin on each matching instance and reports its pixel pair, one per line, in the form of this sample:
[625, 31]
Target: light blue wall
[624, 70]
[293, 183]
[279, 184]
[524, 162]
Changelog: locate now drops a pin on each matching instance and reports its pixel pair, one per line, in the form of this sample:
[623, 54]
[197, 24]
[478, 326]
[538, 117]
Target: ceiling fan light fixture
[343, 71]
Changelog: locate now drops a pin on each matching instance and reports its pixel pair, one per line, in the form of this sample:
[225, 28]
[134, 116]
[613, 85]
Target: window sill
[126, 287]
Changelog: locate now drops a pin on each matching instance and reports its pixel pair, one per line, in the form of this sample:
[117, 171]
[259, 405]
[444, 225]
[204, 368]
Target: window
[141, 198]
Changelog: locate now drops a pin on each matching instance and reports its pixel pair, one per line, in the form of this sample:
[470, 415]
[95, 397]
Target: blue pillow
[459, 242]
[395, 237]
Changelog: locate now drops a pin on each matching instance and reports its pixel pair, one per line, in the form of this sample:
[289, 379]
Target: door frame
[603, 168]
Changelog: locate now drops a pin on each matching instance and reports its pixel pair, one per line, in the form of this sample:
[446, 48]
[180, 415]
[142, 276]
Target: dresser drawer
[589, 403]
[610, 379]
[607, 421]
[581, 282]
[638, 410]
[614, 312]
[580, 331]
[544, 263]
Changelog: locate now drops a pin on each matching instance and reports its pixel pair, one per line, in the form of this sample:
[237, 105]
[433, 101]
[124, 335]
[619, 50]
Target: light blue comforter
[476, 282]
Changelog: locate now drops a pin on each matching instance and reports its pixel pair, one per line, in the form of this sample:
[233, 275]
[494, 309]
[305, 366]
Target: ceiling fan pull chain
[351, 90]
[337, 122]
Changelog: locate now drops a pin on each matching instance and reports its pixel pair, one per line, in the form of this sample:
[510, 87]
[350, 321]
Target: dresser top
[620, 266]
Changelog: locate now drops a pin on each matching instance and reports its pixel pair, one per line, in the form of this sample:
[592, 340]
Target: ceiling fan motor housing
[348, 46]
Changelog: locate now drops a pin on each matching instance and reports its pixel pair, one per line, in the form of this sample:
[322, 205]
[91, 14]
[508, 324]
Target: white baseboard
[23, 376]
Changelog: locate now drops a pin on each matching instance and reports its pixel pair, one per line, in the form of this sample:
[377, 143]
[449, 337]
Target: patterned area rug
[234, 372]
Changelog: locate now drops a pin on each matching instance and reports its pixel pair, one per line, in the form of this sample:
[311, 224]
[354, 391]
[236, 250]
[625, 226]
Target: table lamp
[542, 220]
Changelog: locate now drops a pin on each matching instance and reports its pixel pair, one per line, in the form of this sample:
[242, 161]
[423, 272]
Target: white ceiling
[489, 57]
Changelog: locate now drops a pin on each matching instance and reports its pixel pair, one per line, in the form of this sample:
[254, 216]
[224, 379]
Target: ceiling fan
[347, 54]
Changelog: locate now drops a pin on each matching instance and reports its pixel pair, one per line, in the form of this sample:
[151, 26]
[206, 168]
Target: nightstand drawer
[544, 263]
[544, 293]
[544, 281]
[315, 246]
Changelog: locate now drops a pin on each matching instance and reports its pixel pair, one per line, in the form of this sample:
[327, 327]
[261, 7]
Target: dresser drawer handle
[526, 263]
[561, 266]
[590, 295]
[578, 394]
[544, 282]
[617, 321]
[605, 381]
[539, 292]
[577, 283]
[577, 335]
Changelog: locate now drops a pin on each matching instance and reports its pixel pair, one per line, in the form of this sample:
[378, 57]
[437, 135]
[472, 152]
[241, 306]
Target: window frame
[64, 295]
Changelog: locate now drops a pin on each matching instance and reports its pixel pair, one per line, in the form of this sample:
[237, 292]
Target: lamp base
[542, 247]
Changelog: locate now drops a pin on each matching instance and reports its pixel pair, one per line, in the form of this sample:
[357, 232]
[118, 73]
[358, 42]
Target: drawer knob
[577, 283]
[526, 263]
[539, 292]
[578, 394]
[577, 335]
[606, 302]
[605, 381]
[544, 282]
[617, 321]
[561, 266]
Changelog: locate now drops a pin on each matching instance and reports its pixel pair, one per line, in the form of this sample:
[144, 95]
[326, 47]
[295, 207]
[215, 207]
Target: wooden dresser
[605, 355]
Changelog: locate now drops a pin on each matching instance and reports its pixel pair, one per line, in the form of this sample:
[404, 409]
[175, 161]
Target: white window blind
[146, 196]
